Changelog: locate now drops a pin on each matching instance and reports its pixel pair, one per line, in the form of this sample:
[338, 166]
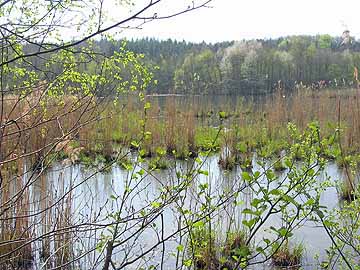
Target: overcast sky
[247, 19]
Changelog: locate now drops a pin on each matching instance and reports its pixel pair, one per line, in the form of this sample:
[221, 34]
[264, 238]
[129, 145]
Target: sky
[249, 19]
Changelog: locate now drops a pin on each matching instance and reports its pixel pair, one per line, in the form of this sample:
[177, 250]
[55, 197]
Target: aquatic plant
[158, 163]
[279, 166]
[287, 256]
[210, 254]
[203, 249]
[227, 162]
[346, 192]
[235, 249]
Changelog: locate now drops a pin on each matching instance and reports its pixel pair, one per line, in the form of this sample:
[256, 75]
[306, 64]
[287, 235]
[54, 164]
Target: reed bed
[181, 128]
[33, 136]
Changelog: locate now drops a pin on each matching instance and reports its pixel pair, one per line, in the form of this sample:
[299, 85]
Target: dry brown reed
[63, 240]
[16, 232]
[170, 136]
[30, 133]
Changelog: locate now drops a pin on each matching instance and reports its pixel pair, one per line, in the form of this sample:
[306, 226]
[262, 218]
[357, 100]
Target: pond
[93, 197]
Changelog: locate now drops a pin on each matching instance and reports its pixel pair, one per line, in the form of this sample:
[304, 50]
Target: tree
[55, 86]
[199, 73]
[240, 66]
[325, 41]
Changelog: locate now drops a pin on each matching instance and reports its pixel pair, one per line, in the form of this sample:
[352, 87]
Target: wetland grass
[348, 189]
[287, 257]
[178, 128]
[184, 129]
[211, 253]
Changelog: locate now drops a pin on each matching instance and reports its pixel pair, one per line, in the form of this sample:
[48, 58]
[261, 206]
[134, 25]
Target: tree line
[248, 66]
[237, 67]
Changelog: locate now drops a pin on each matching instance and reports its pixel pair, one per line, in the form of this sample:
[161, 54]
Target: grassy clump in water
[347, 190]
[210, 255]
[202, 248]
[159, 164]
[279, 166]
[287, 256]
[206, 138]
[227, 162]
[235, 249]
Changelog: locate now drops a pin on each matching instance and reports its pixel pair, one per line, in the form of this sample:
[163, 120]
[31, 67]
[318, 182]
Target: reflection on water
[96, 195]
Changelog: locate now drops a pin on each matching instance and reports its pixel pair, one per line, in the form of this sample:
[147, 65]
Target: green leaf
[147, 135]
[275, 192]
[310, 202]
[222, 115]
[203, 186]
[249, 223]
[155, 204]
[198, 224]
[288, 163]
[239, 202]
[270, 175]
[284, 232]
[256, 174]
[260, 250]
[327, 223]
[160, 151]
[289, 200]
[135, 144]
[206, 173]
[246, 176]
[147, 106]
[255, 202]
[267, 241]
[188, 263]
[180, 248]
[251, 212]
[242, 147]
